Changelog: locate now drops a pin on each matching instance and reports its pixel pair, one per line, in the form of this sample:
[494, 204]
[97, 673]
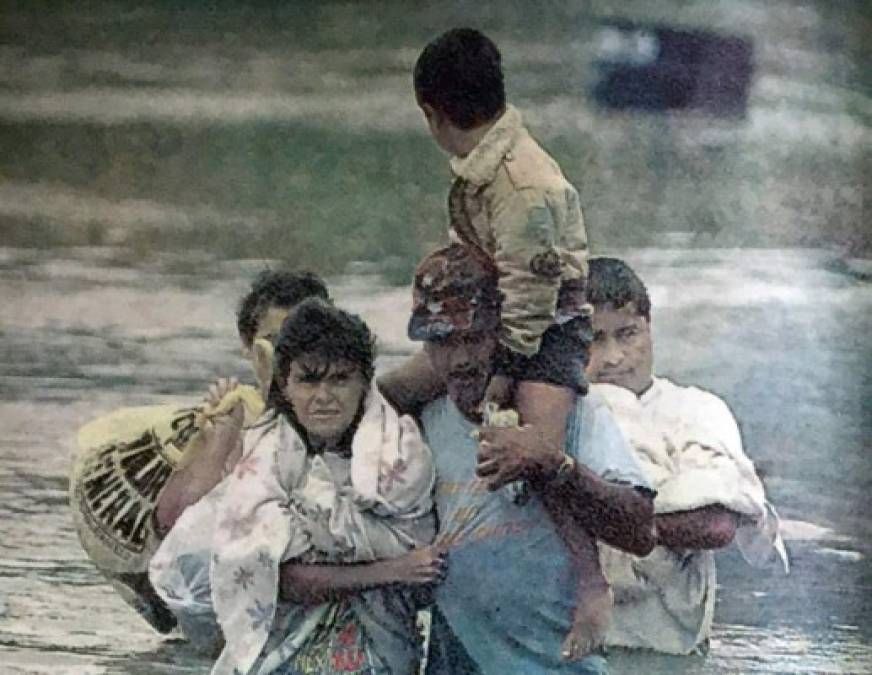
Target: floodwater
[781, 334]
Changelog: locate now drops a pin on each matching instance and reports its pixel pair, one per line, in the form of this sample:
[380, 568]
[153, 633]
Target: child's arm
[529, 269]
[412, 386]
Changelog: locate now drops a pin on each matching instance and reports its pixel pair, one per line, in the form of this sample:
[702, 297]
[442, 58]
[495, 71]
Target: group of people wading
[524, 482]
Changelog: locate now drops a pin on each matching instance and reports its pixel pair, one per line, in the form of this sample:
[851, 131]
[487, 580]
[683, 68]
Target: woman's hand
[421, 567]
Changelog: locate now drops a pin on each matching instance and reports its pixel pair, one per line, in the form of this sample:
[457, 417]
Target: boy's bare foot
[591, 621]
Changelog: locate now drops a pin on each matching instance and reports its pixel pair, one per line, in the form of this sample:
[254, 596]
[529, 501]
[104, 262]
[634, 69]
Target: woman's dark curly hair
[315, 328]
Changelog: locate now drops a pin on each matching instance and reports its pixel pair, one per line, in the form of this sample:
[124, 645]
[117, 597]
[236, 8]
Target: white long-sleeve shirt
[689, 445]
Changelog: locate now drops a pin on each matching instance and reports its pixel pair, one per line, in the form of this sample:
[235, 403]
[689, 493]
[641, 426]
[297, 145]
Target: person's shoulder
[597, 439]
[692, 398]
[609, 395]
[434, 412]
[527, 166]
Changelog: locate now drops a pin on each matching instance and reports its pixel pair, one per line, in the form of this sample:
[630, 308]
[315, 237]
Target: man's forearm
[189, 483]
[412, 385]
[620, 515]
[709, 527]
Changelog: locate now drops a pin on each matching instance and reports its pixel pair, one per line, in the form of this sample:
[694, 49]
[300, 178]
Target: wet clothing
[510, 200]
[337, 641]
[688, 442]
[337, 646]
[509, 594]
[561, 359]
[282, 502]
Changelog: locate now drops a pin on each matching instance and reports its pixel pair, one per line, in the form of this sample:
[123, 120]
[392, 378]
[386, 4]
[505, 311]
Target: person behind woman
[330, 473]
[262, 310]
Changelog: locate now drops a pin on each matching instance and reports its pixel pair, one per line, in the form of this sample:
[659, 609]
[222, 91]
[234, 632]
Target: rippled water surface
[781, 334]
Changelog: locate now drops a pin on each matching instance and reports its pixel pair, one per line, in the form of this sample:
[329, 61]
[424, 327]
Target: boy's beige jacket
[511, 200]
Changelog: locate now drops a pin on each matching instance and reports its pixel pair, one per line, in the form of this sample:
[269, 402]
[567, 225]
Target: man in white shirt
[708, 493]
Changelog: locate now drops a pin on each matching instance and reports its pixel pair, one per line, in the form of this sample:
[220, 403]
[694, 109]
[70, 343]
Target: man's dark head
[612, 283]
[622, 351]
[460, 76]
[456, 312]
[263, 309]
[274, 289]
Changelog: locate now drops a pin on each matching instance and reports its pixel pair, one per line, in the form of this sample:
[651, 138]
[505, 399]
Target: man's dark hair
[275, 288]
[612, 282]
[316, 328]
[460, 75]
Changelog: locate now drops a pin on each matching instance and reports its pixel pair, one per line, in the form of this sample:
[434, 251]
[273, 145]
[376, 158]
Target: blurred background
[155, 156]
[290, 129]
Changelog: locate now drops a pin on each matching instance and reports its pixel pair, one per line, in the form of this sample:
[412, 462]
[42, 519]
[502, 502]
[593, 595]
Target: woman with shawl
[330, 474]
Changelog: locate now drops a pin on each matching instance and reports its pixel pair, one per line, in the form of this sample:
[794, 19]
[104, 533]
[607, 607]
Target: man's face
[259, 355]
[465, 359]
[621, 352]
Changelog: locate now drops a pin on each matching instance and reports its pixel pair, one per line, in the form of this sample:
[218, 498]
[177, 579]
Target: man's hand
[218, 390]
[516, 453]
[224, 434]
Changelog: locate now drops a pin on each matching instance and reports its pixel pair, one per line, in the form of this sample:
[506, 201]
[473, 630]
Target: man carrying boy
[687, 440]
[506, 604]
[507, 595]
[510, 202]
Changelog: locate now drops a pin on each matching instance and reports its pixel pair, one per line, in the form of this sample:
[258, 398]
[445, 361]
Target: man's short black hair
[275, 288]
[612, 282]
[460, 75]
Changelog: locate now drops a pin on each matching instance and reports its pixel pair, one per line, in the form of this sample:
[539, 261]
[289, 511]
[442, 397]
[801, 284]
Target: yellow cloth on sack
[124, 461]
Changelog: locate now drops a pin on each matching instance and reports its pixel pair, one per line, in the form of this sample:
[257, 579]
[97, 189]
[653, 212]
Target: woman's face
[325, 395]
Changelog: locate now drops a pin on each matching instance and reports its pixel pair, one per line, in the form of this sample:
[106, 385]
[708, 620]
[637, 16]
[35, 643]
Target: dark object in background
[654, 68]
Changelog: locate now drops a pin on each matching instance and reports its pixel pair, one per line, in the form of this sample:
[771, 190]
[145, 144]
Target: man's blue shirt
[510, 588]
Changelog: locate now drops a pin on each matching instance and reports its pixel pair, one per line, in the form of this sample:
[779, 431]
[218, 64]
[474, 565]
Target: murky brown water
[779, 334]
